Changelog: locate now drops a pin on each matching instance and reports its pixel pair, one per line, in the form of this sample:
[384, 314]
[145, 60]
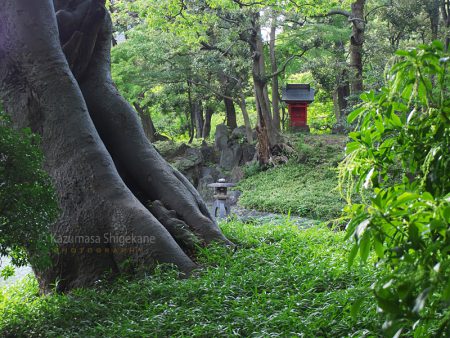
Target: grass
[306, 186]
[281, 281]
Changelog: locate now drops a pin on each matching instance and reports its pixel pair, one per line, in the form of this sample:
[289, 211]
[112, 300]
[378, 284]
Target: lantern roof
[298, 92]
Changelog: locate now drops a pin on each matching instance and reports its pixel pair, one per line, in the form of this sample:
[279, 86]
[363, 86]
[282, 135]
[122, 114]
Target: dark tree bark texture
[207, 123]
[107, 175]
[198, 118]
[432, 8]
[341, 94]
[268, 135]
[356, 17]
[230, 111]
[274, 67]
[147, 123]
[356, 45]
[445, 10]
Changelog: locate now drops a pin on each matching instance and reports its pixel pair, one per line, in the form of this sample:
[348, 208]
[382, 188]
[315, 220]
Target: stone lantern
[221, 207]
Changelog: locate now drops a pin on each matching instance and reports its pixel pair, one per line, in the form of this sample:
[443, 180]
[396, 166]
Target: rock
[209, 154]
[191, 158]
[209, 171]
[221, 139]
[205, 192]
[230, 157]
[189, 164]
[233, 197]
[248, 153]
[239, 133]
[170, 150]
[237, 174]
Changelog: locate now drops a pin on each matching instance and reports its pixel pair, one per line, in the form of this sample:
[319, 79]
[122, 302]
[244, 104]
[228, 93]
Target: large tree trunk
[274, 67]
[104, 169]
[356, 46]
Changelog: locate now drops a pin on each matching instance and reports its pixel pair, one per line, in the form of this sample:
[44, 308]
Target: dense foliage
[282, 281]
[172, 55]
[27, 202]
[399, 160]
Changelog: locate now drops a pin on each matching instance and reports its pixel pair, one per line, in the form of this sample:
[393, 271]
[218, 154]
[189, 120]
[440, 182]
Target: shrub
[399, 157]
[27, 202]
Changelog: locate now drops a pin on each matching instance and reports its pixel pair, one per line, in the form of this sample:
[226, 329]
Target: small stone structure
[221, 206]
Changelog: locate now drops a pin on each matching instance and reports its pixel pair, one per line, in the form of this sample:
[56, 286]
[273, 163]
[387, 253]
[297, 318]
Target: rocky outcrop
[233, 147]
[206, 164]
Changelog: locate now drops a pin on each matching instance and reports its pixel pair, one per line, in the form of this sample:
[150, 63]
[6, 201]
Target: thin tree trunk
[274, 67]
[191, 115]
[230, 111]
[445, 10]
[147, 122]
[207, 124]
[198, 116]
[103, 167]
[340, 95]
[268, 135]
[432, 8]
[248, 126]
[356, 46]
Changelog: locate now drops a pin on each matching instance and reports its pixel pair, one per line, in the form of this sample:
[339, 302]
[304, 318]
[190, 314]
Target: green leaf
[351, 147]
[405, 197]
[379, 248]
[438, 45]
[356, 306]
[420, 300]
[388, 305]
[361, 228]
[352, 255]
[402, 53]
[364, 247]
[354, 114]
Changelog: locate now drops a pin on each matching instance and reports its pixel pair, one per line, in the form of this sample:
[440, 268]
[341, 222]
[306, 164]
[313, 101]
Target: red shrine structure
[298, 96]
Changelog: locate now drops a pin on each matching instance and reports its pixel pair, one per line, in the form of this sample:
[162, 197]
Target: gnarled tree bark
[356, 17]
[106, 173]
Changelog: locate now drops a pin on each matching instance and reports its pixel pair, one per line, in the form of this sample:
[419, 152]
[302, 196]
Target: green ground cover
[306, 186]
[281, 281]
